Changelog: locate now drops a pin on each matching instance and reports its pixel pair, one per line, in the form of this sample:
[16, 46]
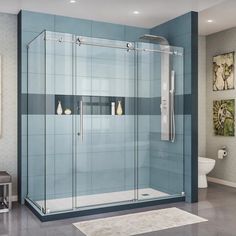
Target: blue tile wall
[73, 26]
[180, 32]
[108, 30]
[37, 22]
[26, 38]
[133, 33]
[183, 32]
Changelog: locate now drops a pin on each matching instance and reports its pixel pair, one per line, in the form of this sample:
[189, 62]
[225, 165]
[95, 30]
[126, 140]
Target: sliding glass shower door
[104, 136]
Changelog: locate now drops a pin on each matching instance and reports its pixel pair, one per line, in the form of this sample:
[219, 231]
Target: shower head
[154, 39]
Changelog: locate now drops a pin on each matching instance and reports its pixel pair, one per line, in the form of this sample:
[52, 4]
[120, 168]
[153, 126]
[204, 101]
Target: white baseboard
[15, 198]
[221, 181]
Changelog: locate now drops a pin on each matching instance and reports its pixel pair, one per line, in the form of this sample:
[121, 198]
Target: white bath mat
[138, 223]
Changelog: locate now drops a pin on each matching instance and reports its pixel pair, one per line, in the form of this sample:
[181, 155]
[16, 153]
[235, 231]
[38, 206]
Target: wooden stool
[5, 181]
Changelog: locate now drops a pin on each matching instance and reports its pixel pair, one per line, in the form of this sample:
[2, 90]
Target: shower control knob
[129, 45]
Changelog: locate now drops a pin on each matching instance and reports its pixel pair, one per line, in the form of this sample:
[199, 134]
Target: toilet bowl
[205, 166]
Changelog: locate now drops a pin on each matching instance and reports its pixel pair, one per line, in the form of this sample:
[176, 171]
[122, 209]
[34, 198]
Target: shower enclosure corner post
[27, 111]
[45, 124]
[136, 133]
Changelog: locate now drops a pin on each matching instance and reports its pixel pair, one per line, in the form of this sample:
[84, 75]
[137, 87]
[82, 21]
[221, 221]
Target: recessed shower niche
[90, 158]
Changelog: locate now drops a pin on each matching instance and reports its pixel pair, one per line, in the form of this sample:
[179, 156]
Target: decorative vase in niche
[67, 111]
[59, 108]
[119, 110]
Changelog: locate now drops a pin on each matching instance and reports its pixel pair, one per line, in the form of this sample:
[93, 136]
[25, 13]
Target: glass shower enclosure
[95, 123]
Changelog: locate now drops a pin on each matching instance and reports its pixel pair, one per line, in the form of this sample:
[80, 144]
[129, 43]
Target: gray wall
[202, 96]
[218, 43]
[8, 139]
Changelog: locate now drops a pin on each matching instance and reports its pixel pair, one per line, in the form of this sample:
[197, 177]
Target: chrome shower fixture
[167, 87]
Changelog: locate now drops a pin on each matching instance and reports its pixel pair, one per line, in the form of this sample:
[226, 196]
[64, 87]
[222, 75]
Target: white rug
[138, 223]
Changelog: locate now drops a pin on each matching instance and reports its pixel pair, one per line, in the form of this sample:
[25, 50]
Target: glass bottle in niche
[113, 108]
[59, 108]
[119, 110]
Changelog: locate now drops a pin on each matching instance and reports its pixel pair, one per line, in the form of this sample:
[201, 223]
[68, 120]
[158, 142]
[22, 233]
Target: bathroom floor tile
[216, 204]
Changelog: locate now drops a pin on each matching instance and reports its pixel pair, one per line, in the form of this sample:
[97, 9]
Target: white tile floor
[62, 204]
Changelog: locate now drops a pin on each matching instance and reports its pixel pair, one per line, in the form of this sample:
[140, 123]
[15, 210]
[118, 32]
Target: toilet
[205, 166]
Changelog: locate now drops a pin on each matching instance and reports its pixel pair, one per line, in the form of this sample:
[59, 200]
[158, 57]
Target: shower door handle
[81, 121]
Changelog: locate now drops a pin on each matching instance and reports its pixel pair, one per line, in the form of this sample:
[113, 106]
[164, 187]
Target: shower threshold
[63, 204]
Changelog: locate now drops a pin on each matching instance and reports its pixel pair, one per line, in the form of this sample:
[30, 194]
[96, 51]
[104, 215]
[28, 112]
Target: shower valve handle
[81, 133]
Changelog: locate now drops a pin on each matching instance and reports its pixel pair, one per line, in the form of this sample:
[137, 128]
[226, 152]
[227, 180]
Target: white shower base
[62, 204]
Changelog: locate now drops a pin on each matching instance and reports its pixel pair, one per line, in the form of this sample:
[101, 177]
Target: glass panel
[59, 125]
[105, 142]
[160, 162]
[36, 121]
